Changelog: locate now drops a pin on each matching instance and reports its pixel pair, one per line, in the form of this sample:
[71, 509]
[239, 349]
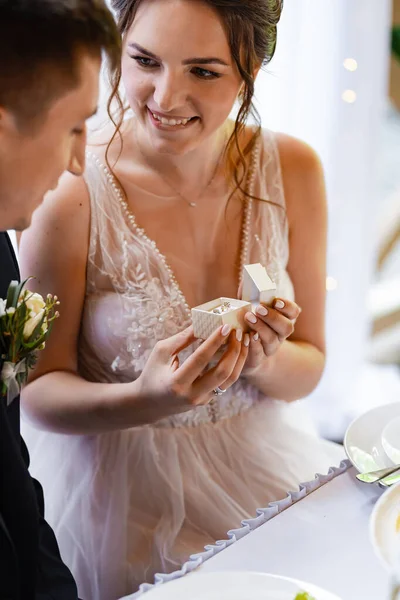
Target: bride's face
[179, 76]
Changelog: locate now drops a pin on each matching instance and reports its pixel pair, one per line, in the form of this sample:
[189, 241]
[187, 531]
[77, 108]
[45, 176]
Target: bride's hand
[270, 326]
[182, 386]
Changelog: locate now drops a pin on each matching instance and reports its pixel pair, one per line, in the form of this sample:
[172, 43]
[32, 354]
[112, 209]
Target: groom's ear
[9, 129]
[14, 123]
[2, 116]
[7, 122]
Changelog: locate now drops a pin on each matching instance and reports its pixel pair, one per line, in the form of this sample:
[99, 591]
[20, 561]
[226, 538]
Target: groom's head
[50, 56]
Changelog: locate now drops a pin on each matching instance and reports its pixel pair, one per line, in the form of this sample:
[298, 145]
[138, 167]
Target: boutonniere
[26, 320]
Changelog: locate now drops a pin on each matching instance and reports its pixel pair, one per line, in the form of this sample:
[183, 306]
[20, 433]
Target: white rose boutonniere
[37, 312]
[25, 324]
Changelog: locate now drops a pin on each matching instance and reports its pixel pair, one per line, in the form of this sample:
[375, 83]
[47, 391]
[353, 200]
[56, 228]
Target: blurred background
[335, 82]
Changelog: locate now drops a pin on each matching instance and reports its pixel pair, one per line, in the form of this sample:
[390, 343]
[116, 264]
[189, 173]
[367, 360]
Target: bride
[142, 463]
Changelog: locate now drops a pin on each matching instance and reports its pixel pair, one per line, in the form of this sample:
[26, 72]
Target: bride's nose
[169, 92]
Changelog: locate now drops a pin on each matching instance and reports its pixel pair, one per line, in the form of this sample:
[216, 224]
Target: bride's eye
[205, 73]
[144, 61]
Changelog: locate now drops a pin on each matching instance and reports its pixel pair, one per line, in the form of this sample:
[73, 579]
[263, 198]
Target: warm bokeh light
[350, 64]
[349, 96]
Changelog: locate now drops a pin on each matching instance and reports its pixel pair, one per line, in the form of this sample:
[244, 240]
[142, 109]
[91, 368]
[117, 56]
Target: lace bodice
[132, 297]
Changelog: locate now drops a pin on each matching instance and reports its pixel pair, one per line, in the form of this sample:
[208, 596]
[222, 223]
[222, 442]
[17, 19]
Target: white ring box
[257, 287]
[205, 321]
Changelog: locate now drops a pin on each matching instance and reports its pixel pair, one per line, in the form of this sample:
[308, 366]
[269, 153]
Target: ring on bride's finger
[218, 391]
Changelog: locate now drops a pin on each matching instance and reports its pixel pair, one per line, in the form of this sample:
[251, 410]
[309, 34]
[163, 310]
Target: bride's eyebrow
[204, 60]
[142, 50]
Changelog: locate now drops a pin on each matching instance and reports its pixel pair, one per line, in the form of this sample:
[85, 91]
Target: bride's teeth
[171, 122]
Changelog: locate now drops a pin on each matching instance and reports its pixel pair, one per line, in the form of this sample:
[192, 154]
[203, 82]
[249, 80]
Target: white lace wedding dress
[128, 504]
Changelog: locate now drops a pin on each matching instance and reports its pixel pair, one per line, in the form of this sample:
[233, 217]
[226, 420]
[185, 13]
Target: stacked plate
[372, 442]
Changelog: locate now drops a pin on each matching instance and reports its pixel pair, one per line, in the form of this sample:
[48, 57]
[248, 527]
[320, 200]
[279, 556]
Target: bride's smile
[179, 76]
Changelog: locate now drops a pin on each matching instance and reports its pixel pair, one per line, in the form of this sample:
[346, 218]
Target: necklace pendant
[192, 204]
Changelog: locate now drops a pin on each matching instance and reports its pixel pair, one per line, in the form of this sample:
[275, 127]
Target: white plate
[363, 438]
[391, 440]
[385, 528]
[235, 586]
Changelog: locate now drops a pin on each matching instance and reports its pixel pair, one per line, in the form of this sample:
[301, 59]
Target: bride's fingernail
[226, 330]
[279, 304]
[246, 340]
[261, 310]
[251, 318]
[256, 337]
[239, 335]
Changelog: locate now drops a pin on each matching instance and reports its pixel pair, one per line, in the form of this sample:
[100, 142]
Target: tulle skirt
[128, 504]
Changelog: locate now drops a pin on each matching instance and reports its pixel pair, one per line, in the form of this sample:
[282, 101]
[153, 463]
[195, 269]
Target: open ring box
[257, 287]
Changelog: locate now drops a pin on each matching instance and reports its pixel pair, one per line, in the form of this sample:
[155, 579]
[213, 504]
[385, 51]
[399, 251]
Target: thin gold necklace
[173, 188]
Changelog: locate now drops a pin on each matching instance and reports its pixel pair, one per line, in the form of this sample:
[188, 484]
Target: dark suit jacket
[30, 564]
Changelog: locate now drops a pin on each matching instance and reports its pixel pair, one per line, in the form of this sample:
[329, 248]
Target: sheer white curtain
[327, 85]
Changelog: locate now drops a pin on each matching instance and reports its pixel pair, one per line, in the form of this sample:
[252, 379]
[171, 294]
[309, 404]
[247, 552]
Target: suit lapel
[9, 271]
[12, 254]
[3, 526]
[9, 265]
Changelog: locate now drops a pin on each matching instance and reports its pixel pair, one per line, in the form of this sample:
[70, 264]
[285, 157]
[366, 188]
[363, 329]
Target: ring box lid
[257, 285]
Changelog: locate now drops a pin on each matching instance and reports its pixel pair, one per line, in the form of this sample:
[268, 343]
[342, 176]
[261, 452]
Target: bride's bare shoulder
[302, 174]
[296, 156]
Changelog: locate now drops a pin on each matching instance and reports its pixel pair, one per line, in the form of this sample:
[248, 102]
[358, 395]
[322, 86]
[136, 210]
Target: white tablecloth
[322, 539]
[319, 534]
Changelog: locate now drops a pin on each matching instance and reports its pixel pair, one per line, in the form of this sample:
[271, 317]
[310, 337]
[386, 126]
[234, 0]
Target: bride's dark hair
[251, 27]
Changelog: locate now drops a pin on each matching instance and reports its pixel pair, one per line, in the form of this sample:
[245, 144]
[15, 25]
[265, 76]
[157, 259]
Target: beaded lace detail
[133, 298]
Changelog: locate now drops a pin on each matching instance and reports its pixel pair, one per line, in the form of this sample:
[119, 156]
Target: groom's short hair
[40, 45]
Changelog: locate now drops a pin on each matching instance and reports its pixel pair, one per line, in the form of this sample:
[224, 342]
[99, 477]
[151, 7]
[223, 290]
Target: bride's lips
[156, 122]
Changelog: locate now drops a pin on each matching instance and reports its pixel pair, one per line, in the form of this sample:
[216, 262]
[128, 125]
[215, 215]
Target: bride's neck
[196, 166]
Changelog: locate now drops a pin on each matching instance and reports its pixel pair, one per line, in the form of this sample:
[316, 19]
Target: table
[319, 534]
[323, 539]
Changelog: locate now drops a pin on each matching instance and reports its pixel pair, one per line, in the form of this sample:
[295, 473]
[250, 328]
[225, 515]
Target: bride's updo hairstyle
[251, 27]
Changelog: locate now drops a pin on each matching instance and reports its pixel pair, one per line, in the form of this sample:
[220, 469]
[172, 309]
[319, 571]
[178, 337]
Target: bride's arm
[296, 368]
[54, 249]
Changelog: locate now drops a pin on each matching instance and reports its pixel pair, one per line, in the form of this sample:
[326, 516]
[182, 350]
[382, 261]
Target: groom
[50, 54]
